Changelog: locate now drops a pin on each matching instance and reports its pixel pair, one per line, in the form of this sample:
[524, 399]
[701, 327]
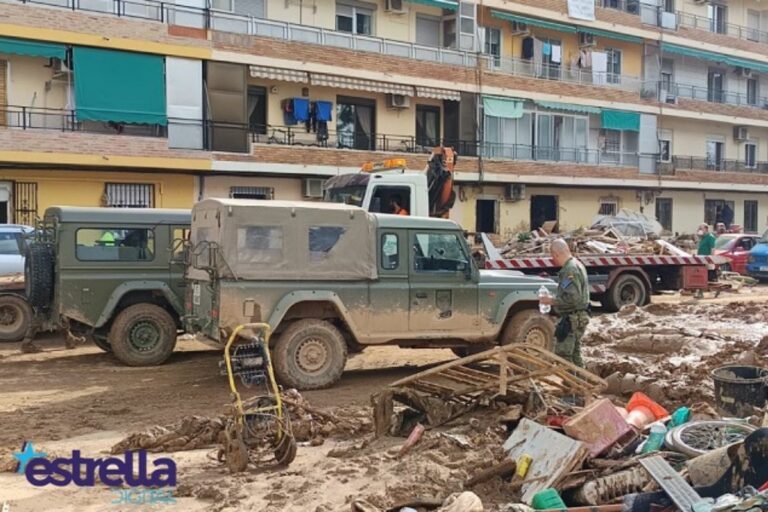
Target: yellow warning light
[392, 163]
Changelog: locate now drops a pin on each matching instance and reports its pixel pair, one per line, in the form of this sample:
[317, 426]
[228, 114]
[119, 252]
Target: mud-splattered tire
[38, 276]
[15, 318]
[143, 335]
[626, 289]
[531, 327]
[309, 354]
[101, 341]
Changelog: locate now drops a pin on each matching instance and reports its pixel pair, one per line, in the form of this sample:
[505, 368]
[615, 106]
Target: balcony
[727, 29]
[695, 92]
[702, 163]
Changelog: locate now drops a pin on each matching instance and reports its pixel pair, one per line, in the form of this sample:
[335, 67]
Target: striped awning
[438, 94]
[281, 74]
[359, 84]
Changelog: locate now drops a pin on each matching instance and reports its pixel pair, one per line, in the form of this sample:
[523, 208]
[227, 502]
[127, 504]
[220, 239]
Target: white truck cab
[378, 184]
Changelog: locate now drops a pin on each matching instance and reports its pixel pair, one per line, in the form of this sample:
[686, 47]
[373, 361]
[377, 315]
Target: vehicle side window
[322, 240]
[179, 237]
[108, 244]
[260, 244]
[10, 243]
[439, 252]
[390, 251]
[394, 200]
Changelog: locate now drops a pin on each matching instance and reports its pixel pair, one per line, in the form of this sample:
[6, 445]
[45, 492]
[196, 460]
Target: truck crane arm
[439, 172]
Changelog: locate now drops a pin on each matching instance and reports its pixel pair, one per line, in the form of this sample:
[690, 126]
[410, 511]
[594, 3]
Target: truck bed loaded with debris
[626, 259]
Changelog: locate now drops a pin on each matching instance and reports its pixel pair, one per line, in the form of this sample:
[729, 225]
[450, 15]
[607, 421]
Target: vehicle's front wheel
[143, 335]
[100, 340]
[15, 318]
[310, 354]
[530, 327]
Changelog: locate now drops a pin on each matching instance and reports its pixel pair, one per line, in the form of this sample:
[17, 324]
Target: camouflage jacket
[572, 289]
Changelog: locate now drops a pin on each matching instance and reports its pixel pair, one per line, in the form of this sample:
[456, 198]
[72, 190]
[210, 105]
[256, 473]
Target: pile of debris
[558, 444]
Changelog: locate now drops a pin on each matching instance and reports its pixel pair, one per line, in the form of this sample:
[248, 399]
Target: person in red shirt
[394, 205]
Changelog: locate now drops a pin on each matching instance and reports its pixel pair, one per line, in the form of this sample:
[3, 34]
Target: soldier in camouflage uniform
[571, 302]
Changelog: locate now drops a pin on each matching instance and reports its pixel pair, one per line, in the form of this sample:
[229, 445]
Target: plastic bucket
[740, 388]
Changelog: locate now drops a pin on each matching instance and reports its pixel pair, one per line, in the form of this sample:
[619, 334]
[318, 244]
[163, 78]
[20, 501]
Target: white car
[12, 248]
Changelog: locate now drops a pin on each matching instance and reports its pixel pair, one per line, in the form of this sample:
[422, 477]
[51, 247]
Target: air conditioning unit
[514, 192]
[519, 28]
[740, 133]
[313, 187]
[59, 67]
[395, 6]
[670, 98]
[587, 39]
[398, 101]
[743, 71]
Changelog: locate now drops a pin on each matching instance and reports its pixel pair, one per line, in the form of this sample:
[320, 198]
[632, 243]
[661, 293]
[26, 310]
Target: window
[129, 195]
[669, 6]
[717, 18]
[385, 197]
[427, 30]
[260, 244]
[608, 207]
[753, 25]
[353, 19]
[667, 72]
[222, 5]
[551, 59]
[251, 192]
[665, 150]
[438, 252]
[355, 123]
[180, 237]
[614, 65]
[322, 240]
[390, 251]
[750, 155]
[10, 243]
[427, 125]
[664, 212]
[257, 109]
[108, 244]
[717, 211]
[715, 85]
[752, 91]
[750, 216]
[493, 44]
[715, 155]
[467, 26]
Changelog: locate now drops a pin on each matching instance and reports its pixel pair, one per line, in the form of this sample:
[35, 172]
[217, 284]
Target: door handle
[421, 295]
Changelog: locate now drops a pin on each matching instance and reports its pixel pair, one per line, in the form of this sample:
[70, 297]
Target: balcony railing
[727, 29]
[565, 73]
[552, 154]
[703, 163]
[37, 118]
[712, 95]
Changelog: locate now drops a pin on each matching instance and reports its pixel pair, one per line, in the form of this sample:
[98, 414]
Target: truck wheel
[626, 289]
[530, 327]
[310, 354]
[15, 318]
[100, 340]
[38, 276]
[143, 335]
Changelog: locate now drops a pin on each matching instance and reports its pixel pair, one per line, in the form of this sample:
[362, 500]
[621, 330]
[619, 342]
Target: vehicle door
[740, 254]
[389, 294]
[443, 291]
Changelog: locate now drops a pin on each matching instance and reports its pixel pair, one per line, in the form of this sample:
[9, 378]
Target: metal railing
[556, 154]
[567, 73]
[38, 118]
[628, 6]
[712, 95]
[727, 29]
[703, 163]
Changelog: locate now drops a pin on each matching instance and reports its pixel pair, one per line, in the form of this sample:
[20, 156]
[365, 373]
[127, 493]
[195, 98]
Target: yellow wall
[688, 208]
[309, 12]
[388, 121]
[26, 87]
[689, 138]
[79, 188]
[288, 189]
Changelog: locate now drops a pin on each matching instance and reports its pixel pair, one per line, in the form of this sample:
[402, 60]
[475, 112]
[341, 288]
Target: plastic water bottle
[544, 308]
[656, 438]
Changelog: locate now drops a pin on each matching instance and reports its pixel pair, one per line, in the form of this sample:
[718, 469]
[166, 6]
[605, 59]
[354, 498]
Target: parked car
[757, 265]
[735, 247]
[11, 248]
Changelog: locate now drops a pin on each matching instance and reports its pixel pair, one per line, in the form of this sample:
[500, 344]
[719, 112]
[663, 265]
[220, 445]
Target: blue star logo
[26, 454]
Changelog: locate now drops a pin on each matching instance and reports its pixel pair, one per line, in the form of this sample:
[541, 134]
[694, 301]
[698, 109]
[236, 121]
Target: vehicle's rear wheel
[38, 276]
[530, 327]
[143, 335]
[627, 289]
[310, 354]
[15, 318]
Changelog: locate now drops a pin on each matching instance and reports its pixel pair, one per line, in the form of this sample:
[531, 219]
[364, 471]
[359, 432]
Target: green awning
[507, 108]
[611, 35]
[533, 21]
[620, 120]
[451, 5]
[32, 48]
[714, 57]
[119, 86]
[568, 107]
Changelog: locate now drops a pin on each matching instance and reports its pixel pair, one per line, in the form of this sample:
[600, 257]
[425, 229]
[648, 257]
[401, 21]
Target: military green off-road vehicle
[331, 279]
[114, 275]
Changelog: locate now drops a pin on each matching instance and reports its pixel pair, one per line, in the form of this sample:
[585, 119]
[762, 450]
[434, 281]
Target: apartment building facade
[559, 109]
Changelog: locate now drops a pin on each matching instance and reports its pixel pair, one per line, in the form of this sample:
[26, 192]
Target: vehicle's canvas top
[284, 240]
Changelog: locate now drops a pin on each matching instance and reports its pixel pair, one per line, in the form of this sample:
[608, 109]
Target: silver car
[15, 313]
[12, 248]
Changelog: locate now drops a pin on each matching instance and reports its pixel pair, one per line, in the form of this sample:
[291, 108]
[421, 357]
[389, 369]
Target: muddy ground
[63, 399]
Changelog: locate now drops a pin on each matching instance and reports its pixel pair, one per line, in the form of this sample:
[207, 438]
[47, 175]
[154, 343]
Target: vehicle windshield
[353, 195]
[764, 238]
[10, 244]
[724, 242]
